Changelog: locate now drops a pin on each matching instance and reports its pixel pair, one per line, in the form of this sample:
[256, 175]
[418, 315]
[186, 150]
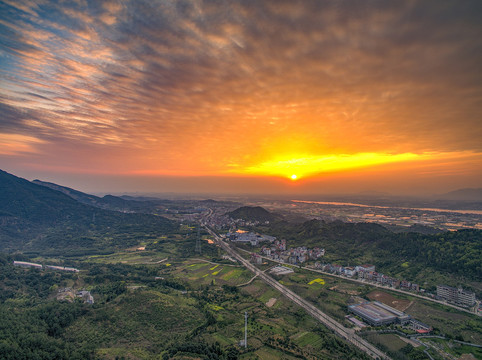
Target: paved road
[332, 324]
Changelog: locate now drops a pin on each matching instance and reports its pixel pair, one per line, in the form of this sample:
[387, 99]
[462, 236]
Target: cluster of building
[241, 222]
[222, 221]
[218, 221]
[293, 256]
[40, 266]
[457, 296]
[276, 250]
[367, 272]
[376, 313]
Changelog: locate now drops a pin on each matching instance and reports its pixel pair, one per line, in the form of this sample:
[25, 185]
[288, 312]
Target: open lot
[390, 300]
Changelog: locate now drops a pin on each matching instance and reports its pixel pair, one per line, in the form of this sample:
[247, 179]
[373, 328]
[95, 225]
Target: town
[403, 217]
[277, 251]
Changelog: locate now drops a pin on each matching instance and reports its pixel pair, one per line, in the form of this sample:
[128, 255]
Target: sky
[243, 96]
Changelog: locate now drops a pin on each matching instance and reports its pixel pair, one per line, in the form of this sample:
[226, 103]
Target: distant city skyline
[275, 97]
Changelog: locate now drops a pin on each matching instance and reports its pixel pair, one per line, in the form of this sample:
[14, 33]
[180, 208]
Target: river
[475, 212]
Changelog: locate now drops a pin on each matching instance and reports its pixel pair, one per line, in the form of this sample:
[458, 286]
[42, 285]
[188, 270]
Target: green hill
[28, 201]
[457, 252]
[37, 218]
[253, 213]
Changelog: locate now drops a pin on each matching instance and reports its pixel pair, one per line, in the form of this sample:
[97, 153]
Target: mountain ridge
[466, 194]
[38, 218]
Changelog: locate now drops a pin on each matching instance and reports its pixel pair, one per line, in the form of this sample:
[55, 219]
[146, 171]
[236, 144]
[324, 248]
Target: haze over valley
[221, 180]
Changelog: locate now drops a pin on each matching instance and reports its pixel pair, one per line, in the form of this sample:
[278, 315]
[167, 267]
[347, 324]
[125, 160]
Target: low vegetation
[146, 311]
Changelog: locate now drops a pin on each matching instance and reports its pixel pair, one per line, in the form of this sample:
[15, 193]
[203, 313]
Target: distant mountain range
[462, 195]
[42, 218]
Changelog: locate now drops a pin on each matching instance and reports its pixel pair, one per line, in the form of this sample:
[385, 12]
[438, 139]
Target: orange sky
[238, 97]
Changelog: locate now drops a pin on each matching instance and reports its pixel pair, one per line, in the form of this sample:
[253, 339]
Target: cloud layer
[210, 87]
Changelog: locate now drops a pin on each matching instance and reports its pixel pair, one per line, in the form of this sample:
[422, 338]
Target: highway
[345, 333]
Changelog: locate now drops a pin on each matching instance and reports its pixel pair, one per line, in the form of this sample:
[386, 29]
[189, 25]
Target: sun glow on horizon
[305, 166]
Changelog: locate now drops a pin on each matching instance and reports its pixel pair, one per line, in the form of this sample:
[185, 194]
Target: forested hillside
[37, 218]
[457, 252]
[138, 314]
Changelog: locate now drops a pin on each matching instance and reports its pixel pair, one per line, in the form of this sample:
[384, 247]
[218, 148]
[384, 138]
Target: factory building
[377, 314]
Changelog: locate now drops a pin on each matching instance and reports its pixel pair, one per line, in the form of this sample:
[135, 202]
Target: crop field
[283, 331]
[268, 294]
[292, 334]
[329, 294]
[197, 266]
[308, 338]
[205, 273]
[233, 274]
[317, 281]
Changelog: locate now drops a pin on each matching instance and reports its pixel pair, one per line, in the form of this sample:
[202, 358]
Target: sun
[294, 177]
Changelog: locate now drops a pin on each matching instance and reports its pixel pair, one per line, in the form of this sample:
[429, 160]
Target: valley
[169, 286]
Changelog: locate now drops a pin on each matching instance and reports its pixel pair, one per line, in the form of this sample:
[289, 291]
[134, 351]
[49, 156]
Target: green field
[390, 341]
[147, 305]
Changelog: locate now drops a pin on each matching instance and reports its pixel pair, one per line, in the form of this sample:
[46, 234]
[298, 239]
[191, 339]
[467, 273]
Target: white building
[27, 264]
[456, 295]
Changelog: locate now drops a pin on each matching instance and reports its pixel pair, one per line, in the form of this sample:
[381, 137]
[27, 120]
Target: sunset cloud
[14, 144]
[201, 87]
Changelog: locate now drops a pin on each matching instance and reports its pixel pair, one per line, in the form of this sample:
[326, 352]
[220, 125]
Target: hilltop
[253, 213]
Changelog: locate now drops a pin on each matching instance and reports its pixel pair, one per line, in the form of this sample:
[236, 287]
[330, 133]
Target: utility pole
[245, 329]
